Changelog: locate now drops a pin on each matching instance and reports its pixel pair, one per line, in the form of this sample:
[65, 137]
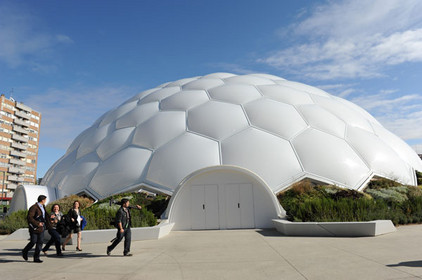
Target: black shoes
[38, 261]
[108, 252]
[60, 255]
[127, 255]
[24, 256]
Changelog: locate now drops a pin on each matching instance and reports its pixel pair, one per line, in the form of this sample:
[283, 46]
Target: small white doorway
[223, 197]
[204, 204]
[239, 206]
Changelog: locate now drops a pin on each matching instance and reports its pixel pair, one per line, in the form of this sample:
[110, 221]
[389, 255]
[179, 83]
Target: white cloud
[23, 42]
[66, 113]
[352, 39]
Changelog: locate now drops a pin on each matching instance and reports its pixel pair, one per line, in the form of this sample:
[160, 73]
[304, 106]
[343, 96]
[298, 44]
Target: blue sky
[75, 60]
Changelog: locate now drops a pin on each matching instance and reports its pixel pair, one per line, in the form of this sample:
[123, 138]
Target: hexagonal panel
[160, 129]
[203, 84]
[276, 117]
[79, 176]
[330, 157]
[404, 151]
[217, 119]
[181, 82]
[93, 139]
[116, 113]
[220, 75]
[381, 159]
[266, 155]
[115, 142]
[235, 93]
[303, 87]
[142, 94]
[119, 171]
[249, 80]
[285, 94]
[319, 118]
[358, 109]
[348, 114]
[138, 115]
[159, 95]
[267, 76]
[65, 163]
[179, 158]
[184, 100]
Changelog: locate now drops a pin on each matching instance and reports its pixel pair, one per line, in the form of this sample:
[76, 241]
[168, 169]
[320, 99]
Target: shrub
[14, 222]
[383, 199]
[98, 215]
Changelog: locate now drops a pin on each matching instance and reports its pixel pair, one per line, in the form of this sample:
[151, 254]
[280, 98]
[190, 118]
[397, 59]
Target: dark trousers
[127, 235]
[55, 238]
[37, 240]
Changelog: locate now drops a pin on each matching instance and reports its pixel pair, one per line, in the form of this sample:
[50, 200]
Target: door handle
[238, 205]
[203, 206]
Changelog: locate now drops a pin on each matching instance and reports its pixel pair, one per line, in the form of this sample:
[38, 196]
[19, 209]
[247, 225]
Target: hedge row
[98, 215]
[383, 199]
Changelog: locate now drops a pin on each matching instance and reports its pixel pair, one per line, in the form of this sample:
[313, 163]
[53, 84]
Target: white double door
[222, 206]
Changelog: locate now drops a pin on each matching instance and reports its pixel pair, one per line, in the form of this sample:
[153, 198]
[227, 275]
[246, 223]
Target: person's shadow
[408, 263]
[18, 253]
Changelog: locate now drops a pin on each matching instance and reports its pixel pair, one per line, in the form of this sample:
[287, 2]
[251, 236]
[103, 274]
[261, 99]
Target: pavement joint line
[374, 261]
[278, 253]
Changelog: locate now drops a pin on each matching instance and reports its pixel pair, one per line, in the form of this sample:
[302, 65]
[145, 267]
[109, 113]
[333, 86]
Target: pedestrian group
[59, 225]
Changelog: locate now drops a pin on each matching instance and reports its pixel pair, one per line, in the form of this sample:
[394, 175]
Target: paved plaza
[230, 254]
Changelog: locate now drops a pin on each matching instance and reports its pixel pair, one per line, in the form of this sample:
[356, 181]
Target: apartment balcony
[23, 107]
[21, 122]
[20, 129]
[17, 154]
[23, 115]
[20, 138]
[16, 161]
[11, 186]
[19, 146]
[14, 178]
[16, 170]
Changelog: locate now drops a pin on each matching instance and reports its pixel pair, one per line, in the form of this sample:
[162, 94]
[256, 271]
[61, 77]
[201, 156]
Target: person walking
[123, 223]
[76, 222]
[55, 218]
[37, 222]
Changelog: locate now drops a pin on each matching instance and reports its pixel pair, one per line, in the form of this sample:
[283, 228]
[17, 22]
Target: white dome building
[222, 145]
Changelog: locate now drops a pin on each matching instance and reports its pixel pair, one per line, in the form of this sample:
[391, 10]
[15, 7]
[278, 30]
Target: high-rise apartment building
[19, 139]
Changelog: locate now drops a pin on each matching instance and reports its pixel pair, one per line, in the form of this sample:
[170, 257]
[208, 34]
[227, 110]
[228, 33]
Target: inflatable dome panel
[269, 156]
[184, 100]
[160, 129]
[279, 118]
[217, 119]
[330, 157]
[235, 93]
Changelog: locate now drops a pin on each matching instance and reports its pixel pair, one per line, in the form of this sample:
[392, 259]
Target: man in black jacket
[36, 222]
[123, 224]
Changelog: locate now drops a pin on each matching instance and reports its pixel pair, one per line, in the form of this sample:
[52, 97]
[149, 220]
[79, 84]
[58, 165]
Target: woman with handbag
[75, 218]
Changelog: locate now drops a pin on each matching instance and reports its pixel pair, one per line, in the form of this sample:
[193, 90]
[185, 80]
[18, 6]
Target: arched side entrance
[223, 197]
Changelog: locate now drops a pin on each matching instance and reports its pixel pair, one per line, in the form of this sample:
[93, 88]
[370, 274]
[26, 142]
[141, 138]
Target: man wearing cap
[36, 222]
[123, 223]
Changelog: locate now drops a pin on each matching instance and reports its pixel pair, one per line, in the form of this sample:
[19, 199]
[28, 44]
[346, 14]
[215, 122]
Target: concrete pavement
[230, 254]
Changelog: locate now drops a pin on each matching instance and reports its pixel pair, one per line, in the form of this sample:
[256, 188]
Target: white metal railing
[16, 170]
[17, 154]
[21, 122]
[16, 161]
[19, 138]
[20, 129]
[22, 115]
[23, 107]
[19, 146]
